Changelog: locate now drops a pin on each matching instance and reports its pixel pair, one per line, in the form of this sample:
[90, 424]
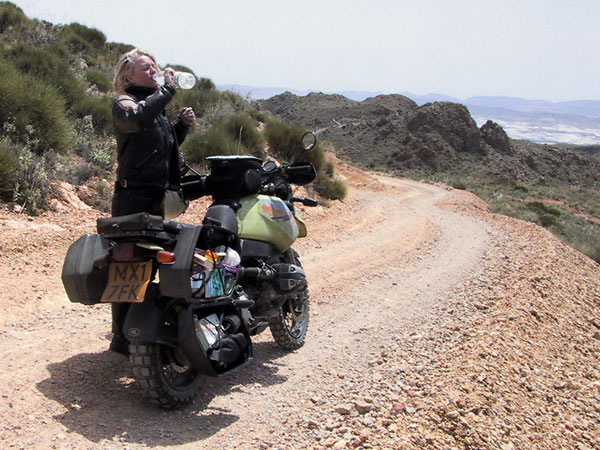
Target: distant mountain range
[541, 121]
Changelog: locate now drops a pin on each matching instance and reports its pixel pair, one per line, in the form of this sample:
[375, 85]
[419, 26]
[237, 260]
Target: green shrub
[92, 156]
[238, 102]
[205, 84]
[116, 49]
[203, 98]
[536, 206]
[581, 234]
[212, 105]
[8, 167]
[82, 38]
[10, 15]
[180, 68]
[555, 211]
[459, 184]
[100, 79]
[259, 116]
[541, 208]
[329, 169]
[214, 141]
[99, 107]
[185, 97]
[32, 179]
[214, 108]
[97, 151]
[330, 189]
[76, 42]
[242, 128]
[548, 220]
[47, 64]
[284, 140]
[49, 67]
[35, 108]
[102, 200]
[506, 184]
[316, 156]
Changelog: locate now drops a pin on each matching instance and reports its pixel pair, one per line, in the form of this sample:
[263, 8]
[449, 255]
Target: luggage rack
[140, 224]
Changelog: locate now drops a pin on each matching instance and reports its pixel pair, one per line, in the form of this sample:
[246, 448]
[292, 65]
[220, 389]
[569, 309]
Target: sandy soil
[434, 324]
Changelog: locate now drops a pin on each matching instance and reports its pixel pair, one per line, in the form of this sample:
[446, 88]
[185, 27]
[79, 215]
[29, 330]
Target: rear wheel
[163, 375]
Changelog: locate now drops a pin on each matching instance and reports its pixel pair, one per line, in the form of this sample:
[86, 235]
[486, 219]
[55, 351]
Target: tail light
[163, 256]
[128, 251]
[125, 251]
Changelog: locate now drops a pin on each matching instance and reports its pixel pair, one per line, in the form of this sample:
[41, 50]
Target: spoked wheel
[291, 324]
[164, 375]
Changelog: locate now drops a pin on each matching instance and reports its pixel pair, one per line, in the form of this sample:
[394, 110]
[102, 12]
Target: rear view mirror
[309, 140]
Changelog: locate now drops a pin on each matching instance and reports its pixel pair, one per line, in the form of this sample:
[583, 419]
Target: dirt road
[388, 271]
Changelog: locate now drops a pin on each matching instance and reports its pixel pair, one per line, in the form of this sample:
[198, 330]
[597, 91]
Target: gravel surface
[434, 324]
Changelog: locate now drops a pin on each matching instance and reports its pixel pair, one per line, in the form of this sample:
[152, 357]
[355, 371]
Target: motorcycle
[198, 293]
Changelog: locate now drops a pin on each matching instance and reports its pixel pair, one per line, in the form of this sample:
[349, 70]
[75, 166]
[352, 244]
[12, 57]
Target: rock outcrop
[449, 122]
[494, 135]
[392, 132]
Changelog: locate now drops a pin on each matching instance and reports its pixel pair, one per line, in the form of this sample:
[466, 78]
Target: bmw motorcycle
[198, 293]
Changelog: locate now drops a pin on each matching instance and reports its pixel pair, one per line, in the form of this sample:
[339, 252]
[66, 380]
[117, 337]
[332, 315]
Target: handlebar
[270, 180]
[306, 201]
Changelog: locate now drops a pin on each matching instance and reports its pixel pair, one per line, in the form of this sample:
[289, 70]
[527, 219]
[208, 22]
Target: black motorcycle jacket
[147, 144]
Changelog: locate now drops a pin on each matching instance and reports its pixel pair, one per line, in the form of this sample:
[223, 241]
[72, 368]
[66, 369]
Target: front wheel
[160, 372]
[291, 324]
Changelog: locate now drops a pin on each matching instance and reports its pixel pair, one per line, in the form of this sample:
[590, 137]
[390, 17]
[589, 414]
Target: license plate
[127, 282]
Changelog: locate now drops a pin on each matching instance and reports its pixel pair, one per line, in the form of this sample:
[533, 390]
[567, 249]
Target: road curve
[376, 269]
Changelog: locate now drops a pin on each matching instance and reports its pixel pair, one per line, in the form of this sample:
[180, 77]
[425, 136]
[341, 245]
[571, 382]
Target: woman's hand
[187, 116]
[170, 76]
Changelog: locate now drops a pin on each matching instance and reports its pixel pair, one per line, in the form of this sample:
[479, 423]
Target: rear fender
[145, 321]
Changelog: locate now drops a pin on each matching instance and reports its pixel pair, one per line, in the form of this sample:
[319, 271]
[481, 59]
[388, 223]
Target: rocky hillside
[556, 187]
[392, 132]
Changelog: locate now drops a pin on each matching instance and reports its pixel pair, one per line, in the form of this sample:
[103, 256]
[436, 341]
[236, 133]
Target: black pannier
[83, 281]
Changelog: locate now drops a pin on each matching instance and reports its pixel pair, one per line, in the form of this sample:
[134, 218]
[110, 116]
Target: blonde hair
[125, 67]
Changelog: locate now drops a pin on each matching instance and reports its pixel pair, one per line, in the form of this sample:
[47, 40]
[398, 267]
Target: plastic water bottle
[184, 80]
[159, 78]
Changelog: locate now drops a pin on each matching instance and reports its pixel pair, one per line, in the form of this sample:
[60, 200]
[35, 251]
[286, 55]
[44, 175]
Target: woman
[147, 145]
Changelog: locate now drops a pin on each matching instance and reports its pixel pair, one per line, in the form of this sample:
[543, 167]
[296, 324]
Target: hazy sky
[535, 49]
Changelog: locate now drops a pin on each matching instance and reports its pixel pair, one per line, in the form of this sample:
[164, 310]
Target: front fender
[303, 231]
